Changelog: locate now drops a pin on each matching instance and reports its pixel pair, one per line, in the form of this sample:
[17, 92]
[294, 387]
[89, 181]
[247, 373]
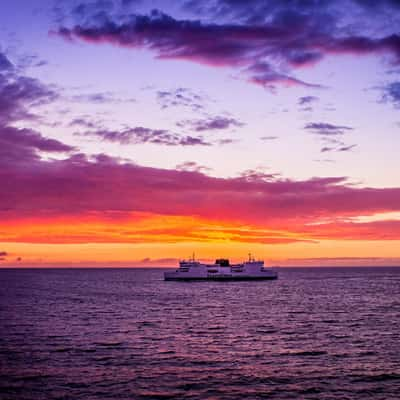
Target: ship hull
[221, 278]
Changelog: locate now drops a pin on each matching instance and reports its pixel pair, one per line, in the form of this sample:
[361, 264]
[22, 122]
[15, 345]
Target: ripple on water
[126, 334]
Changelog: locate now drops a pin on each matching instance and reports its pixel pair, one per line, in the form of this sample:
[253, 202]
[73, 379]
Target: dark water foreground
[126, 334]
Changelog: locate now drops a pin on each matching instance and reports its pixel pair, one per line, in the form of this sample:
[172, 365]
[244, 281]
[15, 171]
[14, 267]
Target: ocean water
[322, 333]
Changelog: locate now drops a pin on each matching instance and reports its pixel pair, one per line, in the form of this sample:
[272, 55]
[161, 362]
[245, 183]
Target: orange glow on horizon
[145, 239]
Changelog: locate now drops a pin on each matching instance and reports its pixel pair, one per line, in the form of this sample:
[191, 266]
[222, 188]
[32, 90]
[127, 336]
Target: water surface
[322, 333]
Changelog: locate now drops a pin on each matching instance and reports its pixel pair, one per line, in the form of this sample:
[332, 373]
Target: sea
[315, 333]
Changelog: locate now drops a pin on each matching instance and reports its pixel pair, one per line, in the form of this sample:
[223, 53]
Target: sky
[134, 132]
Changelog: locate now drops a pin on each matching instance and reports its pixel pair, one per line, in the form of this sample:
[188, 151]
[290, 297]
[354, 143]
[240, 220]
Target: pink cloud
[78, 186]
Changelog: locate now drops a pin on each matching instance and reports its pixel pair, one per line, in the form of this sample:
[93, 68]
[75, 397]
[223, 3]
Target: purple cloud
[211, 124]
[306, 100]
[84, 123]
[180, 97]
[23, 145]
[231, 45]
[18, 94]
[264, 52]
[101, 98]
[323, 128]
[391, 93]
[5, 63]
[263, 74]
[346, 148]
[267, 138]
[341, 147]
[141, 135]
[192, 166]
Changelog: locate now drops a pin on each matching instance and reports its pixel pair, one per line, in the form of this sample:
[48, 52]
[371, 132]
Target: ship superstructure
[191, 269]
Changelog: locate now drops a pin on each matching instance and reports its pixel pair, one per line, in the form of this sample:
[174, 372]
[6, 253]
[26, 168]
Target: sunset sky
[136, 132]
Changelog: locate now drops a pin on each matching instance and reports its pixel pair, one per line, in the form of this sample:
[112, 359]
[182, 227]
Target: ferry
[221, 270]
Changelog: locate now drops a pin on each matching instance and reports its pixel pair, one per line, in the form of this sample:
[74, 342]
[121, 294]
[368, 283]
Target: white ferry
[193, 270]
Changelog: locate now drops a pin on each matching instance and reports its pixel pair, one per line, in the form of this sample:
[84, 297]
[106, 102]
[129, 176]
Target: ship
[221, 270]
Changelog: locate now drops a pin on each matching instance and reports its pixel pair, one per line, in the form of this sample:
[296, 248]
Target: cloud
[325, 160]
[258, 175]
[341, 261]
[141, 135]
[180, 97]
[23, 145]
[211, 124]
[19, 94]
[192, 166]
[256, 11]
[326, 129]
[101, 98]
[3, 255]
[98, 199]
[391, 93]
[5, 63]
[339, 149]
[264, 51]
[346, 148]
[157, 262]
[268, 138]
[383, 4]
[306, 100]
[225, 141]
[96, 7]
[85, 199]
[79, 183]
[84, 122]
[240, 46]
[263, 74]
